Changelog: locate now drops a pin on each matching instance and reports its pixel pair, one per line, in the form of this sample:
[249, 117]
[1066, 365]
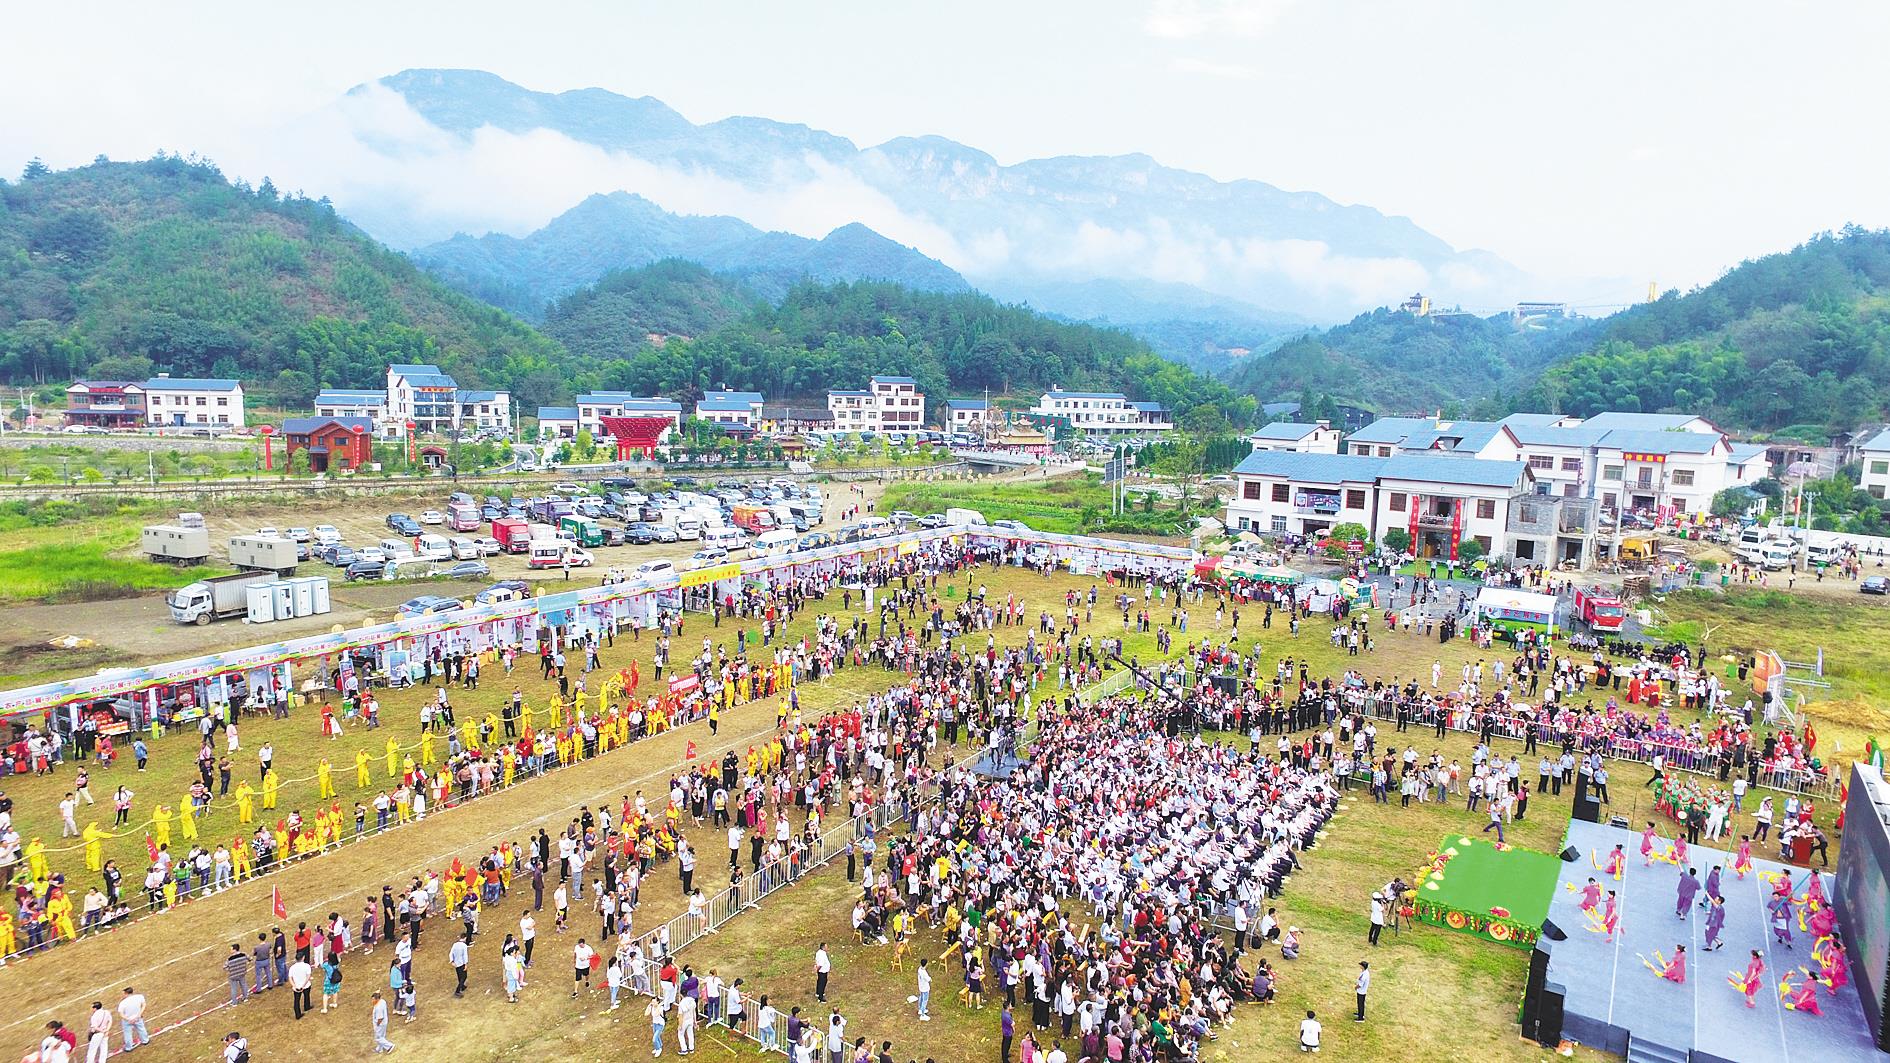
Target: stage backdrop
[1863, 893]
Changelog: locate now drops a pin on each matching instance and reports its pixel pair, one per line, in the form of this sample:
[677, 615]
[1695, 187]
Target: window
[1541, 461]
[1486, 508]
[1879, 468]
[221, 401]
[1355, 499]
[201, 401]
[1484, 542]
[1611, 472]
[1361, 450]
[1250, 489]
[1397, 501]
[1282, 493]
[1876, 490]
[1571, 465]
[1279, 524]
[1384, 452]
[1683, 477]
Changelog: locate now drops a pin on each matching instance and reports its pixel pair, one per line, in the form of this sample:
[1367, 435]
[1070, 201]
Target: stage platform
[1612, 998]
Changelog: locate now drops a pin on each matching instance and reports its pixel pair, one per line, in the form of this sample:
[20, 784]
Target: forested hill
[1798, 338]
[118, 270]
[1396, 362]
[836, 336]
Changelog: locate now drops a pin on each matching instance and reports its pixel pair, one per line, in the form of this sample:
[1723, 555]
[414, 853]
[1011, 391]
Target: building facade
[1317, 437]
[105, 404]
[888, 404]
[593, 407]
[432, 401]
[967, 415]
[332, 444]
[730, 407]
[192, 402]
[1103, 412]
[350, 402]
[1875, 455]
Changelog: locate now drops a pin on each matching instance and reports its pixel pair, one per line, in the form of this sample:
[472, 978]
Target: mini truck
[216, 598]
[1599, 609]
[586, 531]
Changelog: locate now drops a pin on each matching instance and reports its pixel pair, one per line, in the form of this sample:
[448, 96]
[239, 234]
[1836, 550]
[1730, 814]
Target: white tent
[1499, 604]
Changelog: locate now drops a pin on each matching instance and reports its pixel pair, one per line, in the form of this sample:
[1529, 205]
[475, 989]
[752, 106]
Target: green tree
[1396, 539]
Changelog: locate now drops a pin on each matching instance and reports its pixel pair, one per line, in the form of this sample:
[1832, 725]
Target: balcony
[1436, 521]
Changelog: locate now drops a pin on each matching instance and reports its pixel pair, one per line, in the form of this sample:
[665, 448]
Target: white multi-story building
[1661, 464]
[350, 402]
[593, 407]
[557, 422]
[1303, 437]
[176, 402]
[432, 401]
[967, 415]
[1105, 412]
[889, 404]
[1440, 500]
[1876, 458]
[730, 407]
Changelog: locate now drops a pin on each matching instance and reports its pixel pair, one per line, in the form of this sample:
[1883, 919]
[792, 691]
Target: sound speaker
[1588, 810]
[1571, 854]
[1553, 932]
[1549, 1017]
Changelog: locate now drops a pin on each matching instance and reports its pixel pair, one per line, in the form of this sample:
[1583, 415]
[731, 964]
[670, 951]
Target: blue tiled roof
[478, 396]
[409, 369]
[967, 404]
[1085, 395]
[1448, 469]
[1744, 452]
[839, 391]
[439, 380]
[1659, 442]
[1148, 407]
[175, 383]
[894, 380]
[1393, 430]
[1545, 436]
[301, 426]
[1285, 431]
[724, 406]
[557, 413]
[1311, 468]
[746, 398]
[1638, 422]
[1348, 468]
[1879, 442]
[340, 396]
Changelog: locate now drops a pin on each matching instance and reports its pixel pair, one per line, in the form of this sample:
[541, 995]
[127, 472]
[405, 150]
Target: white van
[1823, 554]
[464, 549]
[779, 541]
[394, 548]
[687, 527]
[727, 537]
[874, 527]
[435, 547]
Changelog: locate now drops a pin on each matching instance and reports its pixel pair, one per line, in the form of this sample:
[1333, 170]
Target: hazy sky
[1657, 141]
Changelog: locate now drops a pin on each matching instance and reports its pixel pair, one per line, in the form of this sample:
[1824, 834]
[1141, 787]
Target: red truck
[1600, 610]
[753, 519]
[514, 535]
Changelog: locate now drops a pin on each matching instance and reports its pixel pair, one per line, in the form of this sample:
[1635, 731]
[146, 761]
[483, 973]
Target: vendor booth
[1515, 614]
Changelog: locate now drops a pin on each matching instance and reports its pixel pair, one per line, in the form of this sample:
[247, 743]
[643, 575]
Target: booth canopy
[1508, 603]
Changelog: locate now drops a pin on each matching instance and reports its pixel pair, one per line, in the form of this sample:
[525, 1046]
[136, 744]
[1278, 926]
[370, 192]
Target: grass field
[41, 562]
[1852, 632]
[1439, 994]
[1068, 504]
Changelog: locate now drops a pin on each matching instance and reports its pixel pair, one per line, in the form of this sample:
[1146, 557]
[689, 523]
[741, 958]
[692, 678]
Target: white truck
[263, 553]
[964, 518]
[216, 598]
[175, 543]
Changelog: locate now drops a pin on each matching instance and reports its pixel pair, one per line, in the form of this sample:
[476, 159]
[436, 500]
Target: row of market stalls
[119, 700]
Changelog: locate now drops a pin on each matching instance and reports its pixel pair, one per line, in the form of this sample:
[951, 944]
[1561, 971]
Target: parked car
[1875, 585]
[327, 534]
[300, 535]
[1010, 525]
[395, 520]
[488, 546]
[659, 567]
[424, 604]
[708, 556]
[468, 570]
[365, 570]
[568, 488]
[432, 516]
[506, 590]
[665, 533]
[932, 520]
[900, 516]
[339, 556]
[269, 531]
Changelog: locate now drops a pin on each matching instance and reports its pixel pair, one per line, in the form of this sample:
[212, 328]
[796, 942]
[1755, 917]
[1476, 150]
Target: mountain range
[620, 230]
[1035, 232]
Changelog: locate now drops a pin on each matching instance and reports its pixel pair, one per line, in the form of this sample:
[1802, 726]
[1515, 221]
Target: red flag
[690, 754]
[1811, 738]
[276, 906]
[151, 848]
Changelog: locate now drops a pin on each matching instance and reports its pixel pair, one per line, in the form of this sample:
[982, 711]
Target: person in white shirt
[1309, 1030]
[581, 966]
[98, 1044]
[131, 1020]
[685, 1024]
[924, 999]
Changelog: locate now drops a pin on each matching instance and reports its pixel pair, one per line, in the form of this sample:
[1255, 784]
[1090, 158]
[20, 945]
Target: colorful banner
[712, 574]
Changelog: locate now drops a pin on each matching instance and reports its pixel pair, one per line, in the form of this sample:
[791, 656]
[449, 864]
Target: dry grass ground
[1439, 995]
